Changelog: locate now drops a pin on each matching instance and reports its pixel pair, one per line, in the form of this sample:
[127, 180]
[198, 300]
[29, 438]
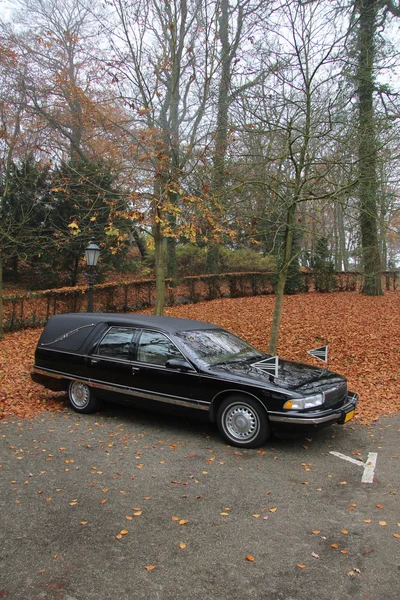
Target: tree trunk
[172, 267]
[344, 259]
[140, 243]
[159, 245]
[367, 148]
[228, 51]
[74, 273]
[1, 299]
[280, 288]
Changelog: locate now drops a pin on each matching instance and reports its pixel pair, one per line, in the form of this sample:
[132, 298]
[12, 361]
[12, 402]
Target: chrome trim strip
[58, 374]
[148, 395]
[198, 404]
[304, 420]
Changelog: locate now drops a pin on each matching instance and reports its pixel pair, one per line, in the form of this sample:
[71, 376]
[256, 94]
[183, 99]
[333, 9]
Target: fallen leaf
[150, 567]
[182, 545]
[250, 558]
[301, 566]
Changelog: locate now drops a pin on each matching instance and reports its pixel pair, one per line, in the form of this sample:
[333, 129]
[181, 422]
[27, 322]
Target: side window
[155, 348]
[116, 342]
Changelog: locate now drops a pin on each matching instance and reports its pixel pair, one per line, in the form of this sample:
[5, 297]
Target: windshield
[217, 346]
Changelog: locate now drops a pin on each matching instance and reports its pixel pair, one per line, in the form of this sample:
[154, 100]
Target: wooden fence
[33, 309]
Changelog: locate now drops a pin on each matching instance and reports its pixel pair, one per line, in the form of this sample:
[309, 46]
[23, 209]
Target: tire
[81, 397]
[243, 422]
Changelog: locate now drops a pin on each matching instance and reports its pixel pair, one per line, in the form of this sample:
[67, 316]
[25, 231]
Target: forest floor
[363, 334]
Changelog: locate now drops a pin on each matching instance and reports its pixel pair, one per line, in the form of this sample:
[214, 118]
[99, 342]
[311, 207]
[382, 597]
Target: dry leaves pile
[363, 334]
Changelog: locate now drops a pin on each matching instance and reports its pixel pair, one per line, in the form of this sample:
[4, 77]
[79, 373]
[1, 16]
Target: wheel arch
[221, 396]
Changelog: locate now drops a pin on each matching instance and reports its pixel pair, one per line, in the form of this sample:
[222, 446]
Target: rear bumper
[316, 418]
[55, 384]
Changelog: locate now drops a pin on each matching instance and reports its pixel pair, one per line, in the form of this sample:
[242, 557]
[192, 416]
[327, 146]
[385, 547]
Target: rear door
[109, 367]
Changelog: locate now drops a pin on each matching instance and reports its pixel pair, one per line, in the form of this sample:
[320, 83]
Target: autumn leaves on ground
[363, 334]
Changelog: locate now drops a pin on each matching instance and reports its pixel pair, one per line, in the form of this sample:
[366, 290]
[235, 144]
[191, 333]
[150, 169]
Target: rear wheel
[81, 397]
[243, 422]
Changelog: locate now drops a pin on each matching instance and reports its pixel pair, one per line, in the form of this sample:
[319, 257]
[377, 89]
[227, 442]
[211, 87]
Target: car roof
[169, 324]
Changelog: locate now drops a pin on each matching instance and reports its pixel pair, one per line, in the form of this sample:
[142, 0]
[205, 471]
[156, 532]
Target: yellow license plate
[349, 416]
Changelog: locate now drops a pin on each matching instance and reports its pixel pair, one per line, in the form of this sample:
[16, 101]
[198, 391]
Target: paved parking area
[131, 505]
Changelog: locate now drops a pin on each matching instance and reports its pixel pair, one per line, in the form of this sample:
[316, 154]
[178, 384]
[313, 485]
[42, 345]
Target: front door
[159, 382]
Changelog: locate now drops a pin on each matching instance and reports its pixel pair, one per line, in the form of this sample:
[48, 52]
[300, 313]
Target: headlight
[302, 403]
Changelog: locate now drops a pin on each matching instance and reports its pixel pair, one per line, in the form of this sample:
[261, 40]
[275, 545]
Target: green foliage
[49, 216]
[191, 259]
[23, 213]
[323, 267]
[86, 204]
[243, 260]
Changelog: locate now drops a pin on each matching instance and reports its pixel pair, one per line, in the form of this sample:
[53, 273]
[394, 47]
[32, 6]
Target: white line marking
[349, 458]
[369, 466]
[368, 475]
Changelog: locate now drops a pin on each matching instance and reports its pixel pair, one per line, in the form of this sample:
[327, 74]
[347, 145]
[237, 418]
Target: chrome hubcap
[79, 394]
[241, 422]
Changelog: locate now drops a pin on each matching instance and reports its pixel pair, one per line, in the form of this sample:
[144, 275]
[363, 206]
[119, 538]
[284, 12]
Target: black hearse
[187, 363]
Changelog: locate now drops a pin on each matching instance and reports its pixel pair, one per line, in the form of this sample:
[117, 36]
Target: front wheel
[81, 397]
[243, 422]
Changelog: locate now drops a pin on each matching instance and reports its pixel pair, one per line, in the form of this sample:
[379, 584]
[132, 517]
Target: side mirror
[179, 364]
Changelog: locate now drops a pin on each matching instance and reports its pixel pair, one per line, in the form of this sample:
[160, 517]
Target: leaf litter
[362, 333]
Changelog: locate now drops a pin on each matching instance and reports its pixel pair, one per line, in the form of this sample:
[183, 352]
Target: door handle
[93, 361]
[135, 370]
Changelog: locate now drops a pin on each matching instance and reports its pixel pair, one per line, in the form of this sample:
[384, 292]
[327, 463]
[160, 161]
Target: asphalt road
[127, 504]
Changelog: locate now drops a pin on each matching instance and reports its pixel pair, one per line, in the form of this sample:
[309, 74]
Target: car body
[186, 363]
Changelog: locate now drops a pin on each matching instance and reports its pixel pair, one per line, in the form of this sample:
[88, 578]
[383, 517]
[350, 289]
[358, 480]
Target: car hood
[298, 377]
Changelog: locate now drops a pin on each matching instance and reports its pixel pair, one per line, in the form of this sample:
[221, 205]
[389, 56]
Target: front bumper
[316, 418]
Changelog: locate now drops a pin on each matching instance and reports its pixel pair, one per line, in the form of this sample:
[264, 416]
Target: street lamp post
[92, 253]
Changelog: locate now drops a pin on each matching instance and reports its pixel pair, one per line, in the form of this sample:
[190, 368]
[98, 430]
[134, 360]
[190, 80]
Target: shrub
[243, 260]
[191, 260]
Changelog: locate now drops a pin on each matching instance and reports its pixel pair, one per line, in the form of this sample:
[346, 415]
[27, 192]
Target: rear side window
[117, 342]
